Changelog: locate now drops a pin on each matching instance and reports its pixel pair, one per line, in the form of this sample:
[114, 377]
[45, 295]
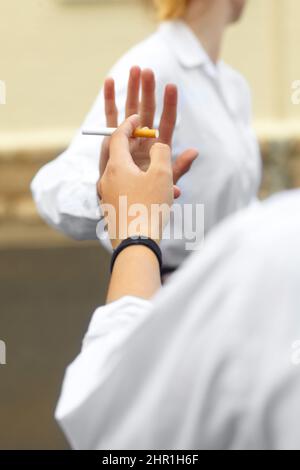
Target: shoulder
[236, 80]
[239, 89]
[234, 76]
[274, 219]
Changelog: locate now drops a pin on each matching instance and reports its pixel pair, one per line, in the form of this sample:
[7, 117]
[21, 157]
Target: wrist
[125, 220]
[135, 234]
[138, 241]
[136, 273]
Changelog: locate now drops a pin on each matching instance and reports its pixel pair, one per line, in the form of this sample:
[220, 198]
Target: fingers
[111, 111]
[169, 115]
[133, 90]
[147, 107]
[160, 158]
[119, 143]
[183, 163]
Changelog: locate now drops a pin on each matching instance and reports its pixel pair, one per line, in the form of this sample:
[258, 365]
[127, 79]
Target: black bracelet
[136, 241]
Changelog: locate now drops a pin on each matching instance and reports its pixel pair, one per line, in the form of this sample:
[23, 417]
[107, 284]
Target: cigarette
[108, 131]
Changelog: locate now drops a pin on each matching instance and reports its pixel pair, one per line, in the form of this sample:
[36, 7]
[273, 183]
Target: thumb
[160, 157]
[104, 156]
[183, 163]
[119, 144]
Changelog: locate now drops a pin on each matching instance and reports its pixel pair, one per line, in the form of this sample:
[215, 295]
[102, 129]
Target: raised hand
[140, 148]
[145, 188]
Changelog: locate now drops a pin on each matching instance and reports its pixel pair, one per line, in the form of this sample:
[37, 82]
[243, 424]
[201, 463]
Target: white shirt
[214, 116]
[213, 362]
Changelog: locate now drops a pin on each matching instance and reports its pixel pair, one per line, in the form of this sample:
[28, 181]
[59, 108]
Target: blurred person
[214, 117]
[207, 362]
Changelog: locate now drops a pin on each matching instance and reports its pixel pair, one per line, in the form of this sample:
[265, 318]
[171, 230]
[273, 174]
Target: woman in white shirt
[214, 117]
[213, 360]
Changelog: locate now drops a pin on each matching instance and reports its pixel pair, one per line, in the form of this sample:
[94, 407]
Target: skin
[136, 271]
[145, 80]
[142, 170]
[209, 19]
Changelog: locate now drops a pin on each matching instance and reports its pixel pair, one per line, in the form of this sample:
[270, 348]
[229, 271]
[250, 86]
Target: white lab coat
[213, 362]
[214, 117]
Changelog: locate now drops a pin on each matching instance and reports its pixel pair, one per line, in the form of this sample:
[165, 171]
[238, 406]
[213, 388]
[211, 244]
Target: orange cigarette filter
[146, 133]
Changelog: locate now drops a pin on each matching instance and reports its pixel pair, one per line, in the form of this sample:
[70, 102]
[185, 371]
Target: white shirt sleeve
[109, 329]
[64, 190]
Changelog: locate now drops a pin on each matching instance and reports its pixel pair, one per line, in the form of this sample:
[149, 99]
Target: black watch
[135, 241]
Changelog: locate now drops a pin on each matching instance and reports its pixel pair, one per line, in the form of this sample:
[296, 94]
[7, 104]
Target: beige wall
[264, 48]
[55, 53]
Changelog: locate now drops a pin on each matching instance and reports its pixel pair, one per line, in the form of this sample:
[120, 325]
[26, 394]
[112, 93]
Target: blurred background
[54, 55]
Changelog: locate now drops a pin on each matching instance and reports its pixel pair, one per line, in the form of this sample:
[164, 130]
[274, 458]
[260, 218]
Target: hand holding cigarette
[140, 148]
[123, 177]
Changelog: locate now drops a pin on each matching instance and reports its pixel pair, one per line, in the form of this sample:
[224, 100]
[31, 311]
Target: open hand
[140, 148]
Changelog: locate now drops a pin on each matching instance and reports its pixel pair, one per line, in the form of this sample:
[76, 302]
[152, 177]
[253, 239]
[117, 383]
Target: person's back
[213, 361]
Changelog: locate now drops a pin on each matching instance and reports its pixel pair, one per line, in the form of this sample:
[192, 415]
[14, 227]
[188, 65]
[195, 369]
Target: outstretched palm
[140, 148]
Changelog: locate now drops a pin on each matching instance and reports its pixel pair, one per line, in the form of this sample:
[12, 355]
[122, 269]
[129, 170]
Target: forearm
[136, 273]
[65, 195]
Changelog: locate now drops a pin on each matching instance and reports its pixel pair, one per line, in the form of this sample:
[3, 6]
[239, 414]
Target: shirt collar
[185, 44]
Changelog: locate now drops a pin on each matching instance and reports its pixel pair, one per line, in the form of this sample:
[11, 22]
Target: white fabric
[209, 364]
[214, 117]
